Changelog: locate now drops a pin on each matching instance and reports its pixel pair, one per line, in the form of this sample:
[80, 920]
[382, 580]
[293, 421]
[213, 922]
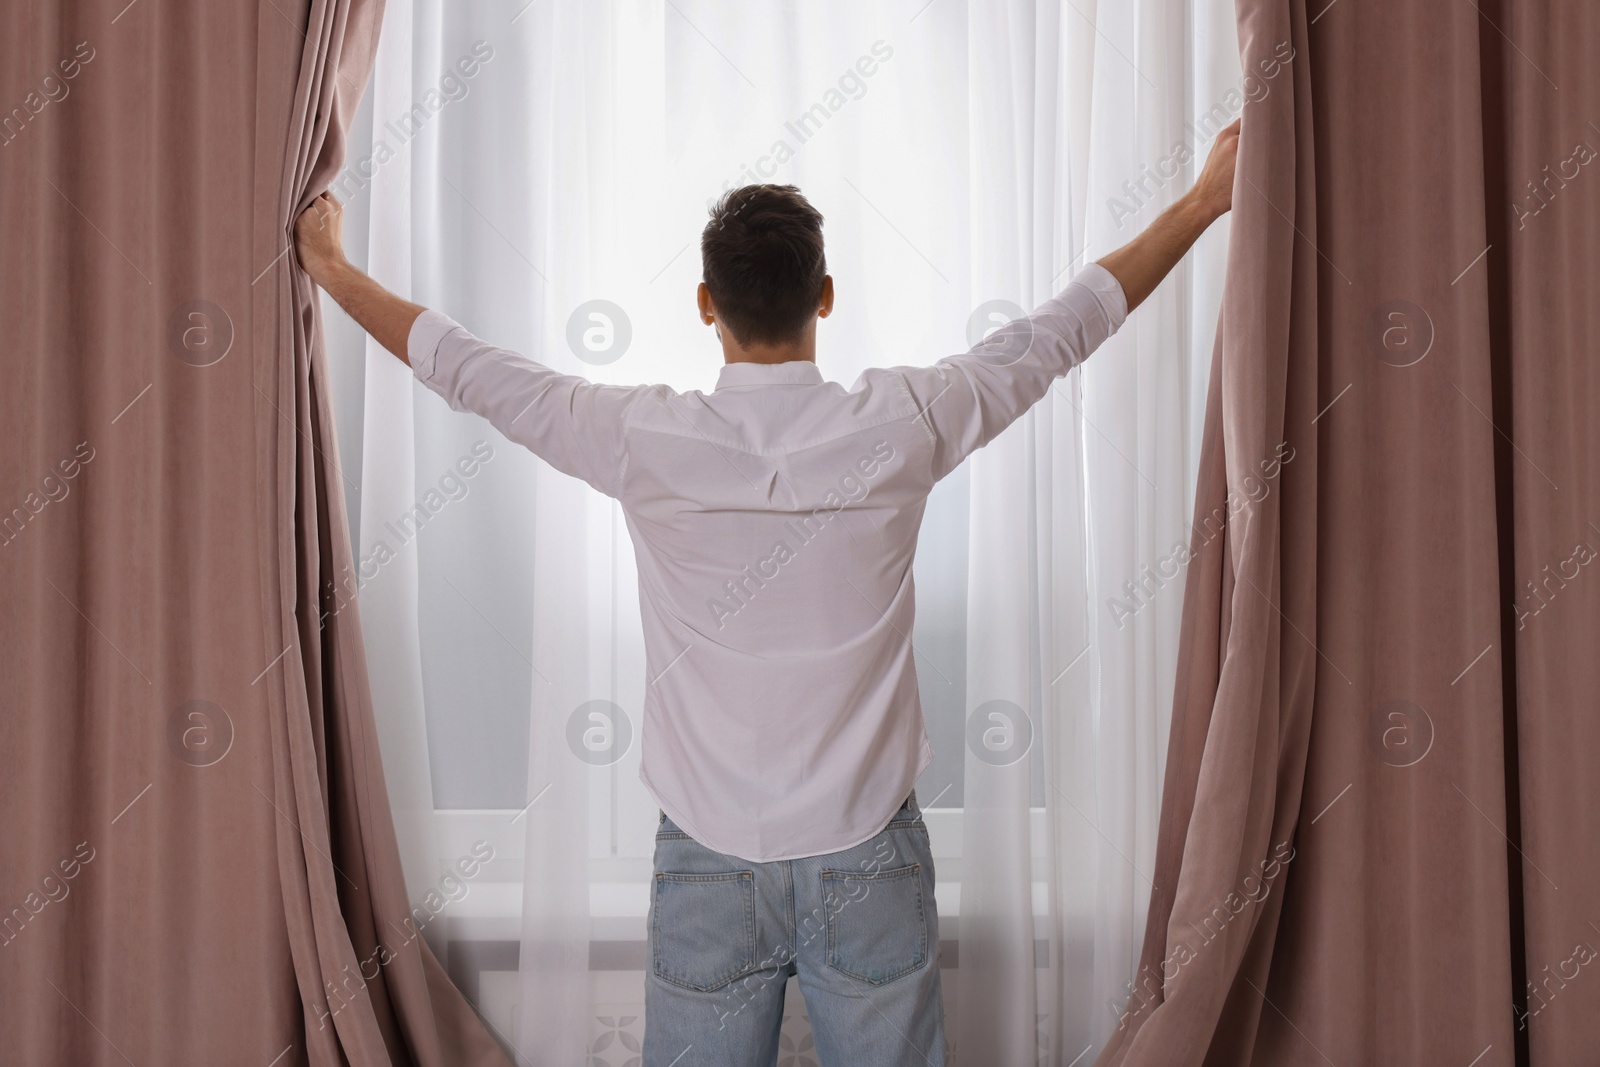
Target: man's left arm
[571, 423]
[319, 238]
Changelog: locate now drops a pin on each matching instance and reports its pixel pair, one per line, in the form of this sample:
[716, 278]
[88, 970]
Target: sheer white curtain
[515, 164]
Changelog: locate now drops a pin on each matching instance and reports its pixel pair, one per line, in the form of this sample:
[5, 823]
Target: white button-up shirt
[774, 521]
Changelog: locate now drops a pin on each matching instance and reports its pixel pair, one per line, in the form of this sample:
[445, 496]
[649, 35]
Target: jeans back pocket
[704, 928]
[877, 926]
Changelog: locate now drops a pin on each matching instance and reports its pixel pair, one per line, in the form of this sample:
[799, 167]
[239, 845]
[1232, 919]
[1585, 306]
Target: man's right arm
[1140, 264]
[967, 400]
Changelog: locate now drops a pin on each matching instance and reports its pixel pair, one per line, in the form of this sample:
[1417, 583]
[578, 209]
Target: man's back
[775, 520]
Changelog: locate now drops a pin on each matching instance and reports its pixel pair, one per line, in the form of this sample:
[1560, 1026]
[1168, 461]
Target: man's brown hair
[761, 254]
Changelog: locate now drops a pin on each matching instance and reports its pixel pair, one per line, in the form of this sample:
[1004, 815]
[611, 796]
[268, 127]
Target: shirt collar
[794, 372]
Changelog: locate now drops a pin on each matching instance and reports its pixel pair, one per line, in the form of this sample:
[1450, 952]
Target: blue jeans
[859, 928]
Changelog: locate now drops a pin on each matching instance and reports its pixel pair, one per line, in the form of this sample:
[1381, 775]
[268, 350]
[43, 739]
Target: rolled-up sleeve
[575, 425]
[967, 400]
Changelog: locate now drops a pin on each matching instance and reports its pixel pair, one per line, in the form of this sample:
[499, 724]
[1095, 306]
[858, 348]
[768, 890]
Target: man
[774, 521]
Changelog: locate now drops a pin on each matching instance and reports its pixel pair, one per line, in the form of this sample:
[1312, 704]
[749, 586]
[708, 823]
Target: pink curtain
[199, 862]
[1541, 104]
[1379, 833]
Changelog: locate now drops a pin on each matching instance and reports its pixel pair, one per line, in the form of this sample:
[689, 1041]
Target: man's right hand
[1213, 190]
[1140, 264]
[319, 237]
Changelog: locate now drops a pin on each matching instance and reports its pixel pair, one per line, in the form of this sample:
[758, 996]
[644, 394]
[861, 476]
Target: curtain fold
[386, 498]
[1104, 113]
[1343, 873]
[1242, 698]
[1541, 106]
[360, 953]
[199, 861]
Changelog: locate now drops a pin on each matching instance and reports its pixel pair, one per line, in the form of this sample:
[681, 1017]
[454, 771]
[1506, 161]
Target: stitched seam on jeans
[829, 874]
[788, 907]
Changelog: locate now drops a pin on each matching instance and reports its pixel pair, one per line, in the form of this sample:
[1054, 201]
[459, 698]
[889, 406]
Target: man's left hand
[319, 236]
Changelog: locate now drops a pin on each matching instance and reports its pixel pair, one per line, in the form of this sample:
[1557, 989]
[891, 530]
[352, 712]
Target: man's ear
[826, 307]
[708, 310]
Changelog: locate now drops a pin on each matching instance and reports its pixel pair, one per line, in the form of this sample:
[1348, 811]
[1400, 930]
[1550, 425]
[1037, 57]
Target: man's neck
[805, 349]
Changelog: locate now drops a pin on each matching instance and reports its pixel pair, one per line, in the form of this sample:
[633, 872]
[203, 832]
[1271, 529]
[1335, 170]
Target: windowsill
[619, 898]
[492, 911]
